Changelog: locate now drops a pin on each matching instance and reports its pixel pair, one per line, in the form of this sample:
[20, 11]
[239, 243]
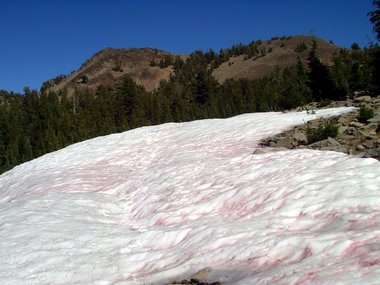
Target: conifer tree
[375, 18]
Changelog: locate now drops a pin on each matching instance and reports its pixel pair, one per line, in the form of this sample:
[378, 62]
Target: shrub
[365, 114]
[324, 102]
[322, 132]
[83, 79]
[117, 68]
[301, 47]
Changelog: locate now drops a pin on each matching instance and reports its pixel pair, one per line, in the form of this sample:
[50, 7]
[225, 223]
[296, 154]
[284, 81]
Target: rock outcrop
[355, 138]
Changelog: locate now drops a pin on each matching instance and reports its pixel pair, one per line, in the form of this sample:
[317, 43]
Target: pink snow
[159, 203]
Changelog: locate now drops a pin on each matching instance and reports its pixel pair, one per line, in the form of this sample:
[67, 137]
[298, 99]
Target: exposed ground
[354, 137]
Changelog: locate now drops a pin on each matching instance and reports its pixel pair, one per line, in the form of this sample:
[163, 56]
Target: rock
[352, 131]
[342, 130]
[342, 120]
[201, 274]
[300, 138]
[375, 119]
[328, 144]
[318, 145]
[363, 99]
[360, 147]
[259, 151]
[369, 144]
[356, 124]
[332, 142]
[284, 142]
[374, 153]
[368, 133]
[374, 126]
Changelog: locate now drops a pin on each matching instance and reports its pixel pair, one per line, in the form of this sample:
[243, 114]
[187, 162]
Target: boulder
[374, 153]
[201, 274]
[368, 133]
[356, 124]
[352, 131]
[369, 144]
[373, 125]
[332, 142]
[259, 151]
[342, 130]
[300, 137]
[360, 147]
[284, 142]
[343, 121]
[327, 143]
[375, 119]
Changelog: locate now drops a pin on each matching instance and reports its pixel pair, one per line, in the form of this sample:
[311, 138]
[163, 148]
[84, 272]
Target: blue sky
[41, 39]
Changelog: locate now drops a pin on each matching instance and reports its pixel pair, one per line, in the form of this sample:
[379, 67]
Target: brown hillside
[106, 66]
[278, 52]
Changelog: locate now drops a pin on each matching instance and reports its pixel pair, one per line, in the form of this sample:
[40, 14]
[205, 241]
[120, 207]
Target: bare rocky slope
[106, 66]
[356, 138]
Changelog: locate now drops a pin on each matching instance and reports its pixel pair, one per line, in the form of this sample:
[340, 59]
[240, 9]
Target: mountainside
[109, 64]
[158, 204]
[282, 52]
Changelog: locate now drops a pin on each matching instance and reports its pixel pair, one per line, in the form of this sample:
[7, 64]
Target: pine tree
[375, 18]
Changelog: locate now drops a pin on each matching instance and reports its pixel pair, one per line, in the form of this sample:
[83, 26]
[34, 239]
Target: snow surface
[160, 203]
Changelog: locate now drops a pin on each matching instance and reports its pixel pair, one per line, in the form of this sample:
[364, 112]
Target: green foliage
[322, 132]
[324, 102]
[163, 63]
[324, 83]
[301, 47]
[56, 80]
[365, 114]
[375, 18]
[355, 46]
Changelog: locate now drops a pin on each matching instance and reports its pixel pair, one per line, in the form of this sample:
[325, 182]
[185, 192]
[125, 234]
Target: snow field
[160, 203]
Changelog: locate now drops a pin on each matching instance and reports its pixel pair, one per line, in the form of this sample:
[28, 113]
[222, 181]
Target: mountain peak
[108, 64]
